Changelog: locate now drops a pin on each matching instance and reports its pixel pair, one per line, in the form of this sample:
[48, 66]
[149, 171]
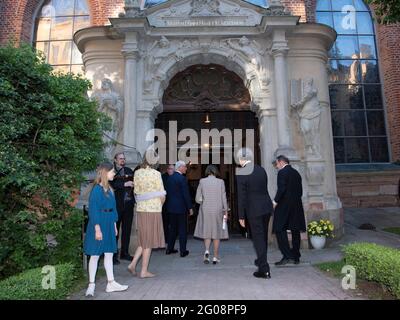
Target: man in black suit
[178, 204]
[122, 185]
[289, 211]
[255, 204]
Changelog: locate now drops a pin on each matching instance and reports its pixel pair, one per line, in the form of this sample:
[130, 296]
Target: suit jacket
[253, 196]
[164, 177]
[178, 196]
[121, 191]
[289, 213]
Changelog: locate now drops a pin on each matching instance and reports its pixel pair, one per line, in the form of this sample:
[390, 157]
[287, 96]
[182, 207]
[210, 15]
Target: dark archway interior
[213, 93]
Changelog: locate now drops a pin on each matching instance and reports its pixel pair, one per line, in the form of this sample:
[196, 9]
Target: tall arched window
[56, 24]
[358, 118]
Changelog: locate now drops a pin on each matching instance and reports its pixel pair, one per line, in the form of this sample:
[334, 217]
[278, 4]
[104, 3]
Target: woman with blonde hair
[101, 230]
[150, 196]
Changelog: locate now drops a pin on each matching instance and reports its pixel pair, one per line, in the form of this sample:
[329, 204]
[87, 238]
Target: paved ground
[188, 278]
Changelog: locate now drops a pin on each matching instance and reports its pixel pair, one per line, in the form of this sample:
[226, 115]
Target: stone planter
[318, 242]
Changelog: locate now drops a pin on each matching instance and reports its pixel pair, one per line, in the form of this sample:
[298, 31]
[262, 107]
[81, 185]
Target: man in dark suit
[255, 204]
[178, 203]
[122, 185]
[170, 171]
[289, 212]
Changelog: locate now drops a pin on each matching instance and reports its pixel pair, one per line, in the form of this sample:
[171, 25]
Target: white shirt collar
[246, 163]
[283, 166]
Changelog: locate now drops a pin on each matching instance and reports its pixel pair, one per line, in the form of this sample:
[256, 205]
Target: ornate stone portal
[143, 50]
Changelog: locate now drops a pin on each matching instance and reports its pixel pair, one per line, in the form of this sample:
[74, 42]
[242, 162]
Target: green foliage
[28, 285]
[50, 133]
[386, 11]
[334, 267]
[320, 228]
[375, 263]
[395, 230]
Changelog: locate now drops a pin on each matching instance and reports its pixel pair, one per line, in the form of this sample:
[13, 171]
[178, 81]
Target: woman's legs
[93, 261]
[108, 265]
[144, 273]
[207, 243]
[216, 247]
[136, 257]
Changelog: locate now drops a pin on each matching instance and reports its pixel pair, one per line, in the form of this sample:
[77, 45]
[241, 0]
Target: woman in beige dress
[213, 213]
[150, 196]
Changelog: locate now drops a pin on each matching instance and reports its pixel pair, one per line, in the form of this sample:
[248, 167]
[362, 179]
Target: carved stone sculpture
[111, 104]
[309, 111]
[204, 7]
[157, 52]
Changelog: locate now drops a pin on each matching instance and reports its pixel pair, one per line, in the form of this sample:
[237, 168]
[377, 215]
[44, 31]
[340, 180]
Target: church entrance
[210, 97]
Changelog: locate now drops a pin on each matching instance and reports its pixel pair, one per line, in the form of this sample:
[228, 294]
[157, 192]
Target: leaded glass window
[358, 119]
[56, 24]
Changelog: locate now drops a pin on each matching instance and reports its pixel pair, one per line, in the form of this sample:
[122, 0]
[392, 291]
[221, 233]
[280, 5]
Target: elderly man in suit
[178, 204]
[289, 212]
[255, 204]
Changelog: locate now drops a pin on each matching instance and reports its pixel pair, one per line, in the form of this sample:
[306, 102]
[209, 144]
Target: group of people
[163, 203]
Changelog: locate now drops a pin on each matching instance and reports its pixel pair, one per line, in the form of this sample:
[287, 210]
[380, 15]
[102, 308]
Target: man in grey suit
[255, 204]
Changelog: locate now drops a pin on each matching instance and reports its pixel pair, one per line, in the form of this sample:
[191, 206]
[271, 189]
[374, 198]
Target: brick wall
[17, 16]
[388, 39]
[368, 189]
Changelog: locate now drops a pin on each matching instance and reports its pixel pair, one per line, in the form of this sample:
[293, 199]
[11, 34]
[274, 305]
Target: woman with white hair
[213, 213]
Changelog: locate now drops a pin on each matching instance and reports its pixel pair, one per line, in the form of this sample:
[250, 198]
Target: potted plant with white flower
[319, 231]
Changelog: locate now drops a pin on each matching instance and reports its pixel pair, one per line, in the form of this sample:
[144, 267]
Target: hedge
[28, 284]
[375, 263]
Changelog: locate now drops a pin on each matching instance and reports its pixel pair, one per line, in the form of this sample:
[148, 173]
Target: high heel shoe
[206, 257]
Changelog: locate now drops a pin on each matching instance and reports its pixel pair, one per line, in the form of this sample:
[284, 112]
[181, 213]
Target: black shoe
[171, 251]
[296, 261]
[284, 261]
[116, 261]
[126, 257]
[184, 253]
[263, 275]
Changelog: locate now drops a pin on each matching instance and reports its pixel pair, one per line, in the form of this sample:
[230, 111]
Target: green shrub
[28, 284]
[50, 133]
[375, 263]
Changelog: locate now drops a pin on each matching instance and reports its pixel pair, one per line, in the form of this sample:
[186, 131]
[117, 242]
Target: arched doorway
[210, 97]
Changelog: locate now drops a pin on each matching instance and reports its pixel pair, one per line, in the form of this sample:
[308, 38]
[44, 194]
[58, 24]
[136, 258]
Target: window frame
[36, 18]
[363, 84]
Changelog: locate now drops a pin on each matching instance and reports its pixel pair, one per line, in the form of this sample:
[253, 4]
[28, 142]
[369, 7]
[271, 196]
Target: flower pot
[318, 242]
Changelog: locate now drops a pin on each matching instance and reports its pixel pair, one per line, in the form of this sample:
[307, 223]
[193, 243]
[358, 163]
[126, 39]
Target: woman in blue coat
[101, 230]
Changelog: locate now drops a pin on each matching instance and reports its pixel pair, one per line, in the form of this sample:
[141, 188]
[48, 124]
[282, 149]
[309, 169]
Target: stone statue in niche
[111, 104]
[305, 102]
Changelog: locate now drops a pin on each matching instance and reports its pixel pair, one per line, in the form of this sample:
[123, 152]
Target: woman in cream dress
[213, 212]
[150, 196]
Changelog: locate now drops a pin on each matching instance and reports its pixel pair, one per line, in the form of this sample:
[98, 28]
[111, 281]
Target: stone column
[130, 51]
[268, 143]
[279, 51]
[145, 123]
